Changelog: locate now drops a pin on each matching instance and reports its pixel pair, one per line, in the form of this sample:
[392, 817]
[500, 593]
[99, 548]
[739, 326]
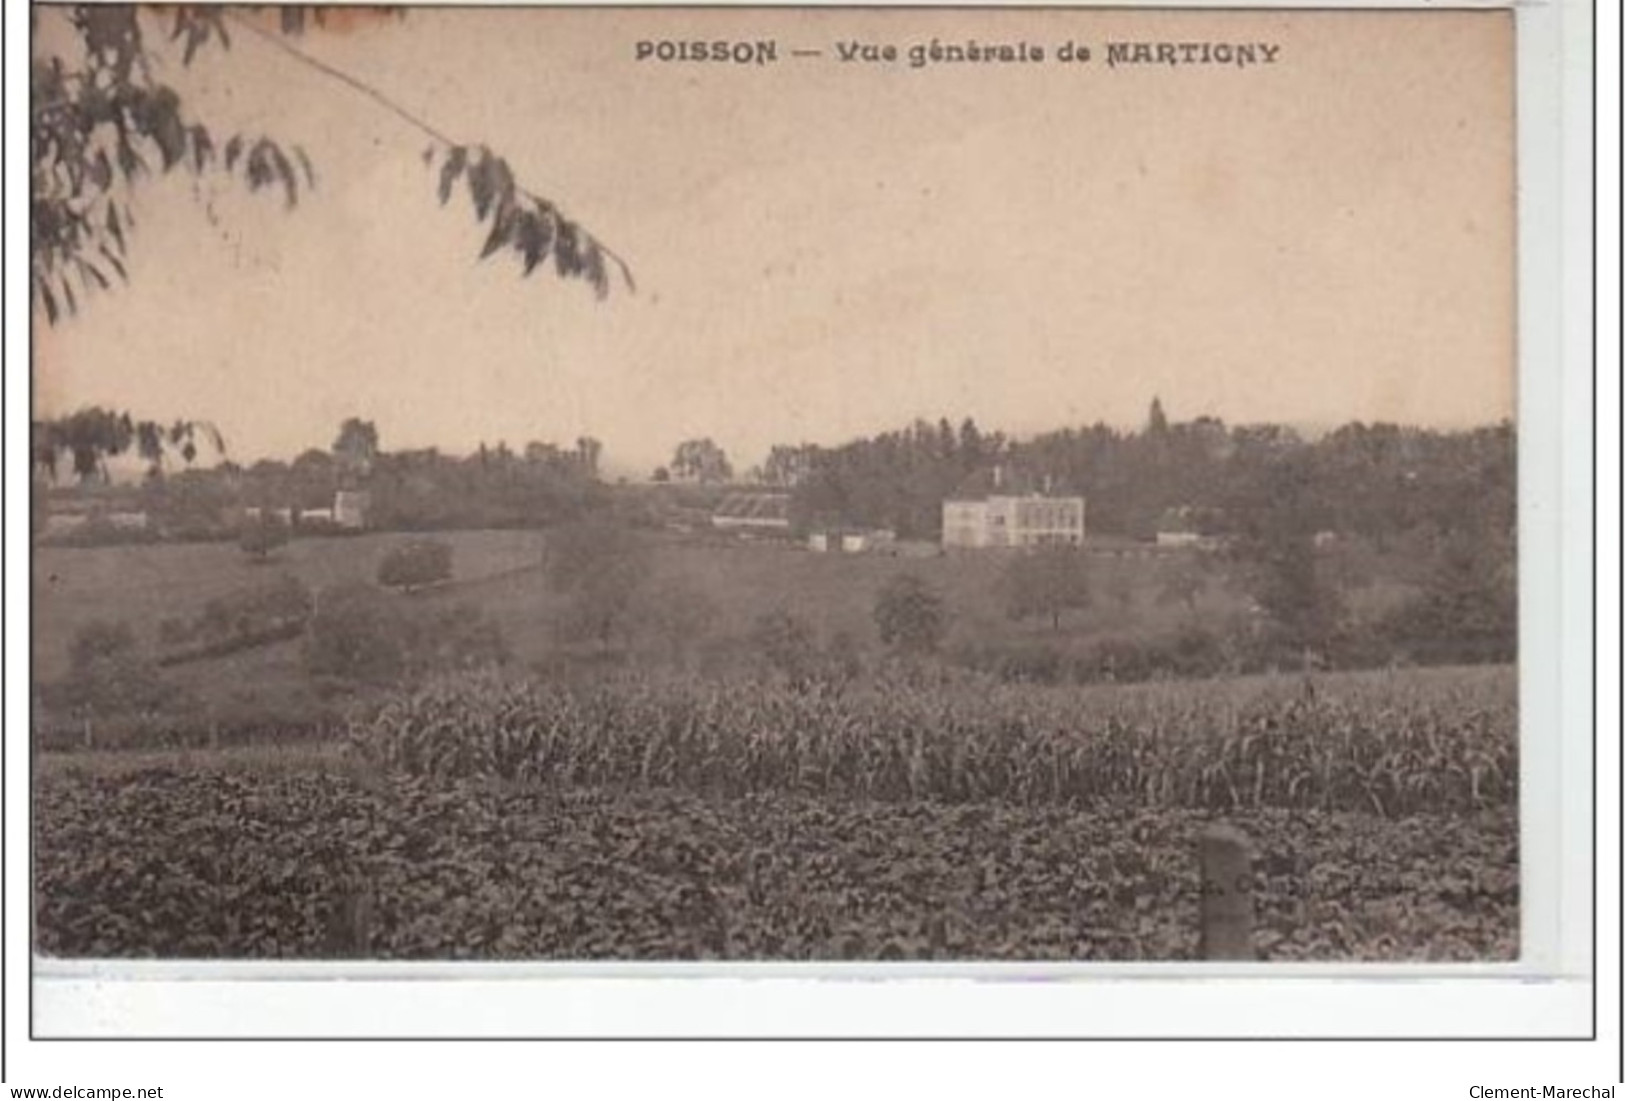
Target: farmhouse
[768, 513]
[1003, 510]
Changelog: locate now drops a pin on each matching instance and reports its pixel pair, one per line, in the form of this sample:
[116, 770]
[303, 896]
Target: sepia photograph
[774, 484]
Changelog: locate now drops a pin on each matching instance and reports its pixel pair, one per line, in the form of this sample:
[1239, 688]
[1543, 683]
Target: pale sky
[826, 249]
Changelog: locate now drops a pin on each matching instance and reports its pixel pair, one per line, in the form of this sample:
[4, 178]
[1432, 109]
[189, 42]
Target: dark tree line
[896, 480]
[1439, 504]
[422, 489]
[1381, 481]
[425, 489]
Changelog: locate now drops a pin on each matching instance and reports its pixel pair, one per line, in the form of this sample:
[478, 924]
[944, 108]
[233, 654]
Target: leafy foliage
[895, 740]
[486, 818]
[520, 222]
[910, 614]
[896, 480]
[356, 635]
[248, 617]
[362, 635]
[357, 444]
[109, 674]
[1048, 582]
[102, 121]
[415, 563]
[312, 865]
[425, 490]
[258, 538]
[702, 461]
[1385, 482]
[92, 435]
[601, 567]
[1468, 606]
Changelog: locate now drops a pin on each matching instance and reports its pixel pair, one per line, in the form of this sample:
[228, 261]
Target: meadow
[500, 574]
[142, 583]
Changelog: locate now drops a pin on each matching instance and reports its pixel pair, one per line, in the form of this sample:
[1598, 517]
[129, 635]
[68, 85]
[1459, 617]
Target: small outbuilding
[766, 513]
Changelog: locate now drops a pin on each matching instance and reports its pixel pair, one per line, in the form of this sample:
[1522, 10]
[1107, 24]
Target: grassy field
[139, 585]
[143, 583]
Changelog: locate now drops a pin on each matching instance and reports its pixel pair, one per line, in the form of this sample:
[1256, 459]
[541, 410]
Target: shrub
[108, 674]
[785, 643]
[238, 620]
[416, 563]
[100, 641]
[361, 634]
[600, 568]
[1467, 611]
[448, 639]
[1046, 582]
[911, 615]
[259, 538]
[357, 633]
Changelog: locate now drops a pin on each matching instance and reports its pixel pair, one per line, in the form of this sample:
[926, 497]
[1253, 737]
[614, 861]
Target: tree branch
[399, 112]
[340, 75]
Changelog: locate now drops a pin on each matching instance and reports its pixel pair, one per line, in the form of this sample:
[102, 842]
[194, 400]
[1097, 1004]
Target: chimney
[1048, 481]
[998, 476]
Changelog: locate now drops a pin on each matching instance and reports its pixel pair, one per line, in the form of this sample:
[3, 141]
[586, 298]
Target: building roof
[754, 506]
[1009, 481]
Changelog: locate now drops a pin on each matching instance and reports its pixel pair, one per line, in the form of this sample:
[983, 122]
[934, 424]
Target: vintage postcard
[774, 485]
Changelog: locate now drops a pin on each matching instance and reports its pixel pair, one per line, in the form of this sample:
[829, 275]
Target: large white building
[1008, 515]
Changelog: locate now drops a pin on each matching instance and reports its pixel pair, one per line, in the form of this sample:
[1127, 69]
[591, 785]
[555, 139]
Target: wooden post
[349, 929]
[1227, 894]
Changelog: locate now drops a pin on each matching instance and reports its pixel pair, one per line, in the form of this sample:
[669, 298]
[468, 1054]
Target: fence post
[1227, 894]
[349, 929]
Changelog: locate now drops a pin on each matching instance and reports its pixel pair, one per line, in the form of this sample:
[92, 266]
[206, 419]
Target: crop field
[913, 735]
[680, 820]
[170, 864]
